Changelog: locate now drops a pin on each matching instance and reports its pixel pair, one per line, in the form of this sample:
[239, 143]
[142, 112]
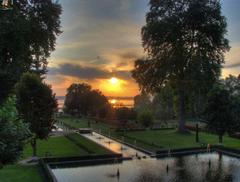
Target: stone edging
[46, 162]
[128, 144]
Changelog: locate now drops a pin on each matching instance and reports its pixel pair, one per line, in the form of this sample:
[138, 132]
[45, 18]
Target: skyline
[101, 40]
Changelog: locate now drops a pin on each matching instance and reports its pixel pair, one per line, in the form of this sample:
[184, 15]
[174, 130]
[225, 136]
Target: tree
[82, 100]
[97, 104]
[185, 45]
[28, 35]
[36, 104]
[145, 117]
[232, 85]
[141, 101]
[218, 111]
[76, 100]
[13, 132]
[163, 103]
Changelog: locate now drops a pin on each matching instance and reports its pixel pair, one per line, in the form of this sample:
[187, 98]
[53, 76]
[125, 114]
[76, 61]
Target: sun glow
[113, 101]
[113, 86]
[114, 80]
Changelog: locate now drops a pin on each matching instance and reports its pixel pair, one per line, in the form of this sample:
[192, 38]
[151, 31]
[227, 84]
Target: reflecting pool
[212, 167]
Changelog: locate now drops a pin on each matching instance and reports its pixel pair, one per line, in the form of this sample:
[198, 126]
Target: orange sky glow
[105, 40]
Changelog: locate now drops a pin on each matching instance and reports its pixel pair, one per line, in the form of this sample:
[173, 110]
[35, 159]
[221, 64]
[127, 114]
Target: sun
[114, 81]
[113, 101]
[112, 86]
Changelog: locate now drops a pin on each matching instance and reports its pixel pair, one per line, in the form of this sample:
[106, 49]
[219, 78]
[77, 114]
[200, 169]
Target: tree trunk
[181, 110]
[220, 138]
[34, 146]
[197, 134]
[1, 164]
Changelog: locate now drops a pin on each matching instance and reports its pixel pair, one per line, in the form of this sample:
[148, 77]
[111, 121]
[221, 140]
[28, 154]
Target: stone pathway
[117, 147]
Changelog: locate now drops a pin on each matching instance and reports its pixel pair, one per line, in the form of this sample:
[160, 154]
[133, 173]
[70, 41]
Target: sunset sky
[101, 39]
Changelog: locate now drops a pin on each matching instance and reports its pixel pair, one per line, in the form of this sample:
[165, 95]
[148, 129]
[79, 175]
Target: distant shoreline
[109, 97]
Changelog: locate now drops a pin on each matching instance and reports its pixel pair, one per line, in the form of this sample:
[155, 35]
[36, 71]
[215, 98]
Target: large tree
[82, 100]
[28, 35]
[36, 104]
[185, 45]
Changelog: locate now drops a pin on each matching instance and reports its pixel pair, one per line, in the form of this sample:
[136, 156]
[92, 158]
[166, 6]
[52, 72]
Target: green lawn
[158, 139]
[155, 140]
[56, 147]
[74, 122]
[17, 173]
[63, 146]
[87, 145]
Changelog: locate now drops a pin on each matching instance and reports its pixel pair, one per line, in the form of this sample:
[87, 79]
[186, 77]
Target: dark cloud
[232, 65]
[88, 73]
[129, 55]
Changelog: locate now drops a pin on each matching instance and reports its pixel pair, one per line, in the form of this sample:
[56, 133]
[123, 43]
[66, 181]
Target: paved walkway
[115, 146]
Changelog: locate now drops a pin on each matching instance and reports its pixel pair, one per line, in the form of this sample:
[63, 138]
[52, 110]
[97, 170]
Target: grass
[72, 145]
[87, 145]
[56, 147]
[154, 140]
[74, 122]
[64, 146]
[17, 173]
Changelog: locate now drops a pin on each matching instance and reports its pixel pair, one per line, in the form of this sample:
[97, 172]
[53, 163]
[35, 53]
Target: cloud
[87, 73]
[228, 66]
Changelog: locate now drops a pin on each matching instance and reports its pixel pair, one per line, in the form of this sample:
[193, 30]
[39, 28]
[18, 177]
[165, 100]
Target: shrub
[145, 117]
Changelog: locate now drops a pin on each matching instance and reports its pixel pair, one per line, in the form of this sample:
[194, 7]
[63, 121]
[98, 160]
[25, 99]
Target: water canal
[206, 167]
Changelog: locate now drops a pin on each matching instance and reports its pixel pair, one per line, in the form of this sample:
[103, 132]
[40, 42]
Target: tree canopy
[81, 99]
[218, 111]
[28, 35]
[185, 45]
[232, 85]
[36, 104]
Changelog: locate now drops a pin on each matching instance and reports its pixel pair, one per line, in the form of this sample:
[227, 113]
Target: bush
[145, 117]
[13, 132]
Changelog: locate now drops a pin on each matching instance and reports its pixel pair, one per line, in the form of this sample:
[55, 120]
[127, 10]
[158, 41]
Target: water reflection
[182, 169]
[114, 145]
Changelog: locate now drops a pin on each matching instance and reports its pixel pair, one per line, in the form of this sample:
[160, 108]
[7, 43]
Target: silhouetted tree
[36, 104]
[28, 35]
[82, 100]
[185, 44]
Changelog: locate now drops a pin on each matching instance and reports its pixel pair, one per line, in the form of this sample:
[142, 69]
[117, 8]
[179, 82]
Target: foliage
[232, 85]
[145, 117]
[82, 100]
[28, 35]
[163, 103]
[141, 101]
[36, 104]
[218, 111]
[13, 132]
[124, 114]
[185, 44]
